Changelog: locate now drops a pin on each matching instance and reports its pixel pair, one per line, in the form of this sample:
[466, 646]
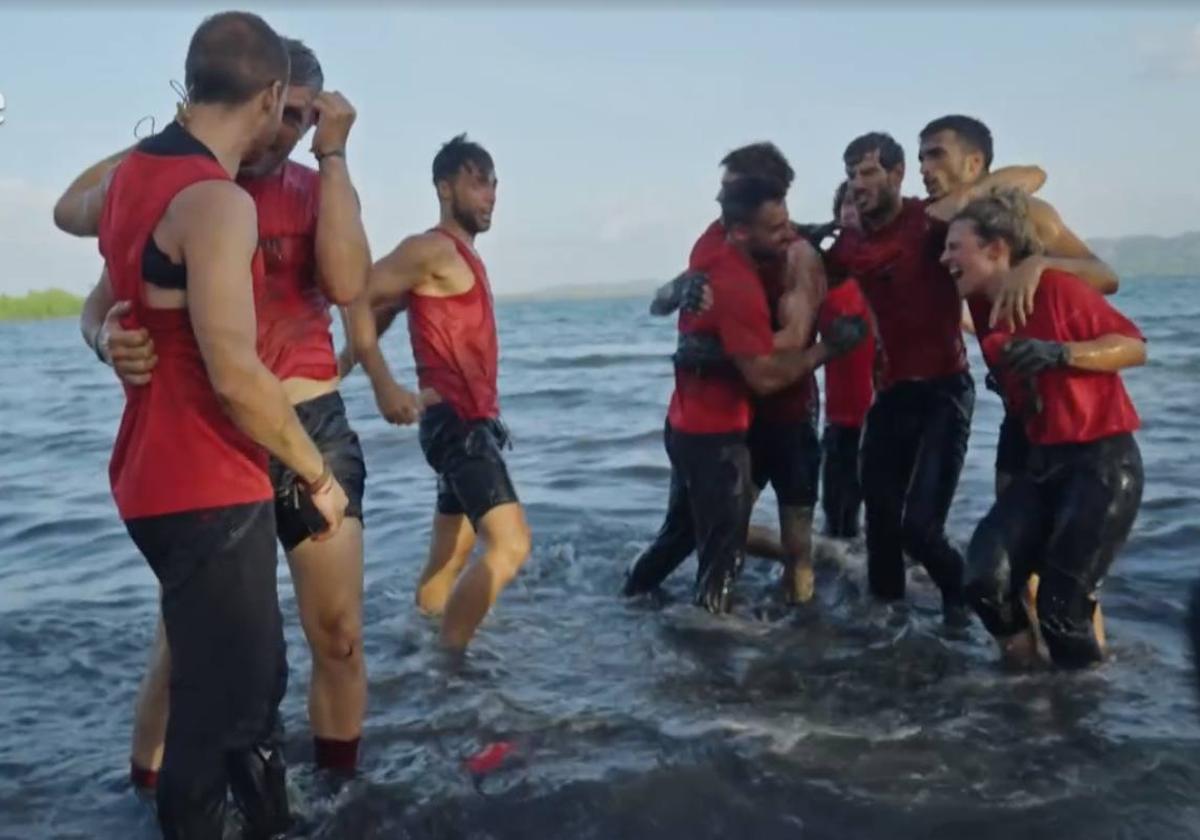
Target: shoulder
[426, 249]
[219, 200]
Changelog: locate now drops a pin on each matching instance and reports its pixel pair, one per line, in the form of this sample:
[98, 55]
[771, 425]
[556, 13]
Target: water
[841, 720]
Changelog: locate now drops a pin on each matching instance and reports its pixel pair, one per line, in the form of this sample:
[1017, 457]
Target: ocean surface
[841, 720]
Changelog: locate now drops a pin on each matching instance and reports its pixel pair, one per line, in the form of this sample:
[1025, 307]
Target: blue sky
[607, 125]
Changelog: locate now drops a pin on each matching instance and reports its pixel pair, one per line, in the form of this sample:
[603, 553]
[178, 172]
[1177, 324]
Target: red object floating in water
[489, 758]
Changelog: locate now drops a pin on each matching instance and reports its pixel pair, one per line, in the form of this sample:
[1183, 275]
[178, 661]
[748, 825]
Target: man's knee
[918, 531]
[338, 637]
[510, 550]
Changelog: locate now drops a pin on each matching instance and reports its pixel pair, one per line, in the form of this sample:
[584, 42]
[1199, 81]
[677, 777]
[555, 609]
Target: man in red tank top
[440, 279]
[188, 470]
[315, 253]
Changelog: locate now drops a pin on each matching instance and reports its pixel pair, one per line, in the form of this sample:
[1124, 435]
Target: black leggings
[1065, 518]
[913, 448]
[709, 508]
[228, 668]
[841, 494]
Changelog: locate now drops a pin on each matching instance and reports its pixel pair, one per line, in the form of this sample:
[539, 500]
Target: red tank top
[849, 385]
[454, 342]
[293, 313]
[176, 449]
[914, 299]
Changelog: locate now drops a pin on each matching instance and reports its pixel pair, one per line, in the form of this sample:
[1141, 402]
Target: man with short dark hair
[916, 431]
[315, 253]
[188, 469]
[441, 280]
[956, 156]
[785, 451]
[706, 436]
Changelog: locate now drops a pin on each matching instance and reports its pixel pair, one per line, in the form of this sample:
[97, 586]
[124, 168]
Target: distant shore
[38, 306]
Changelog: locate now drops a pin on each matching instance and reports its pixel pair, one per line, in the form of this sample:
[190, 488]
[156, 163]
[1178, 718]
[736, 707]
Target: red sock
[142, 778]
[332, 754]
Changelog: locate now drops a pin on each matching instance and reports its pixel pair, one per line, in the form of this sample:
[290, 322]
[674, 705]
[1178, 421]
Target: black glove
[845, 333]
[686, 291]
[1029, 356]
[702, 353]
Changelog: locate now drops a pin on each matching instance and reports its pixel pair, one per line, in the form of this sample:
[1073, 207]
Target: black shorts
[1012, 447]
[788, 455]
[324, 418]
[467, 457]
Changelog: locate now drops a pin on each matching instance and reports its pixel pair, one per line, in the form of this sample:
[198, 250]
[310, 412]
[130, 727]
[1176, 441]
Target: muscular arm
[806, 286]
[1107, 354]
[769, 374]
[77, 211]
[1067, 252]
[219, 232]
[1027, 179]
[343, 255]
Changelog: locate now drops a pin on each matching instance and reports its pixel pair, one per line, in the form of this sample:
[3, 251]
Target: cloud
[1169, 55]
[33, 253]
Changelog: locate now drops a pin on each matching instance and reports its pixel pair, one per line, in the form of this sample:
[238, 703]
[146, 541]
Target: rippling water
[840, 720]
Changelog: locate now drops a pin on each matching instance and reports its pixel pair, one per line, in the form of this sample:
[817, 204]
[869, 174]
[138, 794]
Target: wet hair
[891, 154]
[456, 154]
[1003, 215]
[232, 57]
[761, 160]
[973, 134]
[741, 199]
[306, 70]
[839, 198]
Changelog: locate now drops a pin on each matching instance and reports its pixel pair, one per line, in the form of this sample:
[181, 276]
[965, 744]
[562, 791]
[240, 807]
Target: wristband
[320, 156]
[322, 483]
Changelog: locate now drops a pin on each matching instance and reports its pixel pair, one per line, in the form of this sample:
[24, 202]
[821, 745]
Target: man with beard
[315, 253]
[783, 441]
[440, 279]
[727, 355]
[916, 431]
[189, 472]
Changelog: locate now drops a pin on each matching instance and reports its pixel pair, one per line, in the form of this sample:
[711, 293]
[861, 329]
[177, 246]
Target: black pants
[228, 668]
[1064, 518]
[913, 448]
[708, 510]
[841, 494]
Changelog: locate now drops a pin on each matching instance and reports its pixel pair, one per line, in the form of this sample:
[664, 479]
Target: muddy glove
[1030, 356]
[702, 353]
[686, 292]
[845, 333]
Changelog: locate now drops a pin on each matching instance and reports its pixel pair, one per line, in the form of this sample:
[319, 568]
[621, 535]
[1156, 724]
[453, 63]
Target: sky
[607, 123]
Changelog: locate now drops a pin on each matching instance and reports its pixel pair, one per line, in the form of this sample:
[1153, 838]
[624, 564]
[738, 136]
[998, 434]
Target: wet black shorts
[788, 455]
[324, 418]
[1012, 447]
[468, 459]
